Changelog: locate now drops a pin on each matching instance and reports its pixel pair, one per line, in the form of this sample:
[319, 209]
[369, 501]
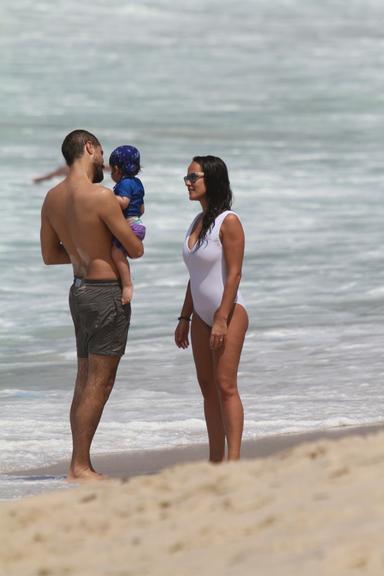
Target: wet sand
[129, 464]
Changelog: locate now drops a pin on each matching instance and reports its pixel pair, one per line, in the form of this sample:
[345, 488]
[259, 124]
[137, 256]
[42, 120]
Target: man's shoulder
[100, 189]
[101, 199]
[53, 193]
[100, 192]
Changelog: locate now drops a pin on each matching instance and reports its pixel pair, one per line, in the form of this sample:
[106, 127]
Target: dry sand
[314, 509]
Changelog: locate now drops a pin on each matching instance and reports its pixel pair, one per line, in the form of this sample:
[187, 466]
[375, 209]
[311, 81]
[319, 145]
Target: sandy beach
[294, 505]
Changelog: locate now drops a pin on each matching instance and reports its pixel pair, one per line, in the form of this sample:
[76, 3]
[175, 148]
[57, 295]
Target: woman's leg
[202, 355]
[226, 363]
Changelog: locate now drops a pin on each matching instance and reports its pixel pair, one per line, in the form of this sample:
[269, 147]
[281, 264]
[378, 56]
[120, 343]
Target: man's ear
[89, 147]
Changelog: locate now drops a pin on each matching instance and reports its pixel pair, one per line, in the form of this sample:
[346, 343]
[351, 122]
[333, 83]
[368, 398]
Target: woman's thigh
[202, 354]
[227, 358]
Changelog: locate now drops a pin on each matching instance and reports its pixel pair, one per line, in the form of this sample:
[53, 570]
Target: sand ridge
[315, 509]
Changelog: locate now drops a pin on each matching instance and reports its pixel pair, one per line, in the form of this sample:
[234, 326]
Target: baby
[125, 164]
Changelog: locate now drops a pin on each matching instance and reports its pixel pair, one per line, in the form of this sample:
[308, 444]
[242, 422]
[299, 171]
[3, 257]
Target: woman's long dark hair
[218, 192]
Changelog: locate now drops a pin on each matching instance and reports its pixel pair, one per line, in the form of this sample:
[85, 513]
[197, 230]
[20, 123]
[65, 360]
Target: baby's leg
[123, 268]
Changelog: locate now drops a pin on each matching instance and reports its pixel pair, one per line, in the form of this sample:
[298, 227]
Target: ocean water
[290, 94]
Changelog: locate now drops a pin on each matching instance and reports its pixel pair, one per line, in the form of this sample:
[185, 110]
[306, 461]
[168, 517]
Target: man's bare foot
[84, 475]
[126, 294]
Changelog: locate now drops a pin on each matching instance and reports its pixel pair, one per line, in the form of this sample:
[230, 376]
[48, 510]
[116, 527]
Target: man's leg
[94, 383]
[81, 380]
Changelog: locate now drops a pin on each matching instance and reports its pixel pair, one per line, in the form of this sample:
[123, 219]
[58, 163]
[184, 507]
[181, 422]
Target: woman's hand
[218, 333]
[181, 334]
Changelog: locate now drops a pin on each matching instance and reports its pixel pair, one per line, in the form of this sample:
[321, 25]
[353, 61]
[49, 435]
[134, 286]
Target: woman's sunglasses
[193, 177]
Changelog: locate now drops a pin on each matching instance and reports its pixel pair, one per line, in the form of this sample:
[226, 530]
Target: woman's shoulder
[231, 213]
[228, 216]
[231, 223]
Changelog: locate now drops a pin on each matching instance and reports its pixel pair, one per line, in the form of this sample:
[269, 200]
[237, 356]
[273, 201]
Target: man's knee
[109, 380]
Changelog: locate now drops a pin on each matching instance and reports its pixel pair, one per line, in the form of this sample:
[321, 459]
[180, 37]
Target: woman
[213, 252]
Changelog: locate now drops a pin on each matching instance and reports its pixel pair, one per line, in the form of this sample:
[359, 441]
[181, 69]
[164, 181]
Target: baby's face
[116, 173]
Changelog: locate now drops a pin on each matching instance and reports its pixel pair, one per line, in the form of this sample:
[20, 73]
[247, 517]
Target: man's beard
[98, 174]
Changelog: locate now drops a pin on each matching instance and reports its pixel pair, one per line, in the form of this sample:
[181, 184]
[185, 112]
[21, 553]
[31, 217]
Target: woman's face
[195, 182]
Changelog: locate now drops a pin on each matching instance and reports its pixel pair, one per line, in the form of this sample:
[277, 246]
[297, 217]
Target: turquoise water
[290, 95]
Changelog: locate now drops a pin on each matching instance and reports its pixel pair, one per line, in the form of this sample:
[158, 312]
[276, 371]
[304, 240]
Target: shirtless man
[78, 219]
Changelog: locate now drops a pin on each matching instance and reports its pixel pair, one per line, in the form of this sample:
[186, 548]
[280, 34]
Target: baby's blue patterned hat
[127, 158]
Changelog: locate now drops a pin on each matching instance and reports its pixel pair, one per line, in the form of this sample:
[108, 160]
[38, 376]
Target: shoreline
[126, 465]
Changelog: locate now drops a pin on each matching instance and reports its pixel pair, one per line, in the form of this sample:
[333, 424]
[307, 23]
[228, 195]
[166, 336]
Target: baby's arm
[123, 201]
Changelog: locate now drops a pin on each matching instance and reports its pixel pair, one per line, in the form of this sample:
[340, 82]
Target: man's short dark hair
[73, 144]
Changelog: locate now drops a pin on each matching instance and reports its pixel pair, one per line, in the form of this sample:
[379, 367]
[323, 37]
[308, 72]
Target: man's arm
[113, 218]
[52, 250]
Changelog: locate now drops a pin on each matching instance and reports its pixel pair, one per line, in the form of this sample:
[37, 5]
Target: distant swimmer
[213, 253]
[79, 218]
[60, 171]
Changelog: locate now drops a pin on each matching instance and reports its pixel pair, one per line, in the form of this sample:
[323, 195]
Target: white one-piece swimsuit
[207, 270]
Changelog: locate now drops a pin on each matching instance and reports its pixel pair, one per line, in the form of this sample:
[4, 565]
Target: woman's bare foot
[84, 475]
[126, 294]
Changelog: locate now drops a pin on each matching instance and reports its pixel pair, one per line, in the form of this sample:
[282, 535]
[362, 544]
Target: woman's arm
[232, 239]
[182, 328]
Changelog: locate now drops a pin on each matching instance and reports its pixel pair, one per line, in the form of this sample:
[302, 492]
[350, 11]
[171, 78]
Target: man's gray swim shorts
[101, 320]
